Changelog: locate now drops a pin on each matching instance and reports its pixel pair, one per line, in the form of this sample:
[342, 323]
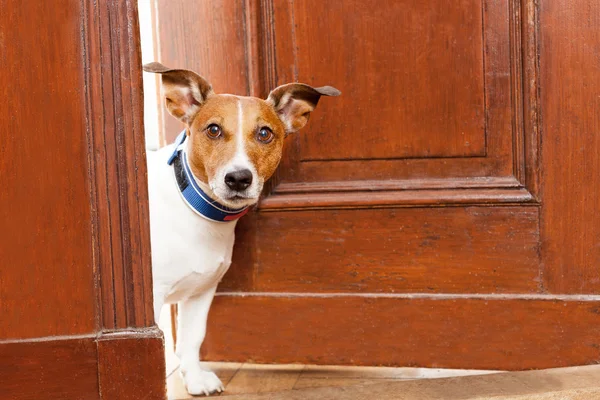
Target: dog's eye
[213, 131]
[265, 135]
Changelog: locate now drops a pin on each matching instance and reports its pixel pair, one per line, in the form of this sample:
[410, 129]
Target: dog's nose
[239, 180]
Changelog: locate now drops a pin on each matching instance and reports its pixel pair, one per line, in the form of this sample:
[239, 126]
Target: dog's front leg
[191, 329]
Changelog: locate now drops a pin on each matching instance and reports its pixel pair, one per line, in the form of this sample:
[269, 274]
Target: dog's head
[235, 142]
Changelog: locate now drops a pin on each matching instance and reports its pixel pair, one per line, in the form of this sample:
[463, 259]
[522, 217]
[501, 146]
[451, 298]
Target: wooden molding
[134, 355]
[516, 77]
[413, 192]
[525, 92]
[531, 95]
[117, 165]
[412, 198]
[405, 184]
[254, 46]
[268, 65]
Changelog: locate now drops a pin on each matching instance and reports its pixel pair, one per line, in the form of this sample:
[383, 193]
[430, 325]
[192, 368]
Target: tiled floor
[254, 378]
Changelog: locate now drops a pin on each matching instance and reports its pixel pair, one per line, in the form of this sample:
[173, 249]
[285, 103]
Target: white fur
[190, 255]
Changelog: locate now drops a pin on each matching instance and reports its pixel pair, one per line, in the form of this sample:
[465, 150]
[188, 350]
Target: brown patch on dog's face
[239, 146]
[206, 154]
[264, 156]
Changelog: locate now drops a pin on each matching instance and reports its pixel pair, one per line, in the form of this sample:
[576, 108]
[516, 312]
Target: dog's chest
[197, 280]
[190, 260]
[189, 253]
[185, 243]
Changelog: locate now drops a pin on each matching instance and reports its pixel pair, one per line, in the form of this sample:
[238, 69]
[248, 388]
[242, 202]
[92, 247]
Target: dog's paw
[202, 382]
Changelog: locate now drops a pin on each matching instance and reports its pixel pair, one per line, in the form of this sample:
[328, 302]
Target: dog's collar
[192, 194]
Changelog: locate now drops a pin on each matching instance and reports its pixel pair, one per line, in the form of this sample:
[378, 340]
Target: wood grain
[409, 57]
[212, 35]
[435, 250]
[512, 334]
[373, 132]
[55, 369]
[531, 114]
[118, 174]
[399, 184]
[570, 45]
[251, 379]
[368, 199]
[44, 203]
[131, 365]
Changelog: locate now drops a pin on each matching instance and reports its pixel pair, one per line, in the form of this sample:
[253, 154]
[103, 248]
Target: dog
[201, 185]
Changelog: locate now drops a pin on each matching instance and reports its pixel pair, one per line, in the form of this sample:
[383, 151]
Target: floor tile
[176, 388]
[328, 371]
[308, 382]
[255, 378]
[580, 383]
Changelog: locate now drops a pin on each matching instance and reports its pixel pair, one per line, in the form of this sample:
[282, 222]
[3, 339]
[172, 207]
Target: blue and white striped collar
[192, 194]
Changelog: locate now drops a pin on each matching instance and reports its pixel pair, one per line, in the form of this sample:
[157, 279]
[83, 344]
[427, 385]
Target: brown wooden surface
[118, 166]
[431, 250]
[128, 366]
[75, 250]
[53, 369]
[358, 138]
[44, 206]
[426, 33]
[570, 83]
[460, 159]
[427, 332]
[420, 197]
[120, 365]
[225, 65]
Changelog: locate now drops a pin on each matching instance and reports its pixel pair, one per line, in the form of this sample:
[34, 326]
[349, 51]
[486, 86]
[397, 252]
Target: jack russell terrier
[200, 185]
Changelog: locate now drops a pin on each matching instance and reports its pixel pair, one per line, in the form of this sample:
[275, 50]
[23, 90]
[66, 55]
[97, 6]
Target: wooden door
[442, 211]
[75, 280]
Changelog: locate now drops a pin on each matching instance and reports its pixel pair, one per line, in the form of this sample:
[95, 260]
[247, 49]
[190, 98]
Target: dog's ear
[295, 101]
[184, 90]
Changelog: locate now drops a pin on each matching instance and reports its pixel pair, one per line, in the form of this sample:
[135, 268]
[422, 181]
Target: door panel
[399, 63]
[42, 159]
[413, 221]
[427, 91]
[429, 99]
[425, 250]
